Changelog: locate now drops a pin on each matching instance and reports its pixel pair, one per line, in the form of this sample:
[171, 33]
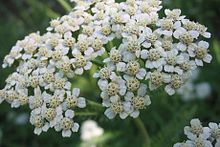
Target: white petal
[135, 114]
[141, 74]
[81, 102]
[79, 71]
[114, 99]
[89, 52]
[181, 46]
[123, 115]
[207, 35]
[75, 127]
[144, 54]
[37, 131]
[102, 84]
[169, 90]
[199, 62]
[208, 58]
[195, 34]
[76, 92]
[46, 127]
[146, 44]
[109, 113]
[167, 33]
[69, 113]
[121, 66]
[66, 133]
[204, 44]
[147, 100]
[129, 95]
[88, 66]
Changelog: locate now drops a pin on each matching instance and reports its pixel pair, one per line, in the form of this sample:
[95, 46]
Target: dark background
[164, 120]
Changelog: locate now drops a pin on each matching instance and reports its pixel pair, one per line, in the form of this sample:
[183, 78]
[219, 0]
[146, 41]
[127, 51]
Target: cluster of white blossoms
[139, 51]
[146, 53]
[199, 136]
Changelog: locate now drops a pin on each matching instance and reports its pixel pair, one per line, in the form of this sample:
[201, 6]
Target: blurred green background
[164, 119]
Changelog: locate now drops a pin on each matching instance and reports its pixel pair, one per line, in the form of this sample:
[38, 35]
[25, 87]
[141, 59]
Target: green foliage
[164, 119]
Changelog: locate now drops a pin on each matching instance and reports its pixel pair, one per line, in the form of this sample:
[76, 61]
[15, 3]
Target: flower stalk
[143, 131]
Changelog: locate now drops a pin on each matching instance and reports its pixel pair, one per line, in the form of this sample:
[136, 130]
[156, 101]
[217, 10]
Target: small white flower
[196, 130]
[90, 130]
[200, 53]
[186, 38]
[73, 100]
[67, 125]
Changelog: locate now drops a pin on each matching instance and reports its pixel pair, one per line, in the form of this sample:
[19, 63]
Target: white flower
[67, 125]
[14, 55]
[36, 101]
[133, 68]
[112, 90]
[149, 38]
[90, 130]
[199, 141]
[22, 98]
[154, 58]
[81, 63]
[37, 120]
[157, 78]
[175, 83]
[60, 83]
[174, 14]
[52, 115]
[73, 99]
[136, 103]
[186, 38]
[116, 108]
[200, 53]
[196, 130]
[167, 26]
[65, 65]
[215, 131]
[172, 59]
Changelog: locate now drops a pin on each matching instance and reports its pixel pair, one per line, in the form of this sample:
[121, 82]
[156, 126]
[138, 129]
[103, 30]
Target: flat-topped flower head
[130, 46]
[199, 136]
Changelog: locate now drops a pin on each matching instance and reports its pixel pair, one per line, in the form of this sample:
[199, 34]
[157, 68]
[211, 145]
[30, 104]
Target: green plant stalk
[92, 103]
[65, 5]
[86, 113]
[98, 63]
[138, 122]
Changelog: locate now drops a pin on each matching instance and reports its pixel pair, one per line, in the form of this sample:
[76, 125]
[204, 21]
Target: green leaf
[170, 133]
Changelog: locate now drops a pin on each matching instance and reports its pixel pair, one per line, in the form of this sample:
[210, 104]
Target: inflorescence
[199, 136]
[140, 53]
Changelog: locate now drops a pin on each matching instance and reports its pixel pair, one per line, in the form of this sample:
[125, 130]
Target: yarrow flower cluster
[199, 136]
[140, 53]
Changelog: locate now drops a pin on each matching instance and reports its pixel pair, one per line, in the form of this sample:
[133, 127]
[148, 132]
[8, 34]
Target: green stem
[97, 62]
[86, 113]
[143, 131]
[94, 104]
[65, 5]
